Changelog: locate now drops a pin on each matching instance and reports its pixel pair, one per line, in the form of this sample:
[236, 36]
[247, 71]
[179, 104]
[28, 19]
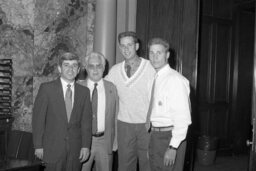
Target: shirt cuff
[175, 143]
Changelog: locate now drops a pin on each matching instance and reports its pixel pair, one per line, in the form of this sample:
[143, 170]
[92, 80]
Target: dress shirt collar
[91, 83]
[163, 70]
[65, 83]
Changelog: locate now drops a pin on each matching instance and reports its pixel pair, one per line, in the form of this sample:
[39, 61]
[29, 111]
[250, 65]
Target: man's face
[158, 56]
[128, 47]
[95, 69]
[68, 70]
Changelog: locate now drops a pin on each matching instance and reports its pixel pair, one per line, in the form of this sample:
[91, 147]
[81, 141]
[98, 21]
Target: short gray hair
[93, 55]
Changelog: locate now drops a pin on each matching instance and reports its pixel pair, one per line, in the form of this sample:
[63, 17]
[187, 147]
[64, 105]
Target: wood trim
[180, 19]
[252, 164]
[188, 44]
[211, 19]
[143, 16]
[235, 63]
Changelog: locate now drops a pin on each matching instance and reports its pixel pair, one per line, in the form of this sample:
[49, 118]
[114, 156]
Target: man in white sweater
[133, 79]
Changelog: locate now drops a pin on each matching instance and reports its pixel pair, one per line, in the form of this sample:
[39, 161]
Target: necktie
[151, 103]
[94, 109]
[68, 101]
[128, 70]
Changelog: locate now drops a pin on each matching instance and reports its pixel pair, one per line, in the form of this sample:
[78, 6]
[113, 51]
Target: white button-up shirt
[171, 105]
[101, 103]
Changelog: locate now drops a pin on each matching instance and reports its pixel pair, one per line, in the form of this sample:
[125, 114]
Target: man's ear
[84, 68]
[137, 45]
[168, 55]
[59, 69]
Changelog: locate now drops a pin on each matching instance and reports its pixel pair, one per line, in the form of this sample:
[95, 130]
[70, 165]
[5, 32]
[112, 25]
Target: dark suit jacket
[50, 126]
[111, 110]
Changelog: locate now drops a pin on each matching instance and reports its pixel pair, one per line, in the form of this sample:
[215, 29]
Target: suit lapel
[76, 99]
[60, 96]
[107, 97]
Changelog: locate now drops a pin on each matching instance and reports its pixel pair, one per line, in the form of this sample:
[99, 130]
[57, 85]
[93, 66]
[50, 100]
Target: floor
[224, 163]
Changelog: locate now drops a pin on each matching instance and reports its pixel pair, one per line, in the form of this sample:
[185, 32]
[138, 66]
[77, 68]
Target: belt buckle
[98, 134]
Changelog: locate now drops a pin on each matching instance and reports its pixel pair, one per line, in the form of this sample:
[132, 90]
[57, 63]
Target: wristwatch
[171, 147]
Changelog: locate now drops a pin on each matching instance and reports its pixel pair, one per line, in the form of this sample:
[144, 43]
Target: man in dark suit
[104, 114]
[61, 121]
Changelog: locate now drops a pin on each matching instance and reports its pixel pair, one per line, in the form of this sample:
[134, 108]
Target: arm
[86, 122]
[38, 120]
[180, 107]
[86, 127]
[180, 112]
[115, 145]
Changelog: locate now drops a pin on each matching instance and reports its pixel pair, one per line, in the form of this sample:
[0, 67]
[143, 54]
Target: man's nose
[154, 55]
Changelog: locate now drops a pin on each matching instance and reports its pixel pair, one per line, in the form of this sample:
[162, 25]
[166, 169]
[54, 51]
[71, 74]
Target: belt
[162, 129]
[98, 134]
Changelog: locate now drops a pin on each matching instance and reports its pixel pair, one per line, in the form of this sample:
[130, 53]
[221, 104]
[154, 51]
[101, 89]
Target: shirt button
[160, 103]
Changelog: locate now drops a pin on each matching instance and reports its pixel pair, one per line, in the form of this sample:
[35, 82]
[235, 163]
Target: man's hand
[39, 153]
[169, 157]
[148, 126]
[84, 154]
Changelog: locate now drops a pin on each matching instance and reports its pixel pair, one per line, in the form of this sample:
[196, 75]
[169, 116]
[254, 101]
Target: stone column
[105, 29]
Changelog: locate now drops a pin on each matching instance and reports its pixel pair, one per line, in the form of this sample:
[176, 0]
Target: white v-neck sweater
[133, 92]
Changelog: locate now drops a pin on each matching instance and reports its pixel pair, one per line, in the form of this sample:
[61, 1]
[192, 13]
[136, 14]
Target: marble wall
[32, 34]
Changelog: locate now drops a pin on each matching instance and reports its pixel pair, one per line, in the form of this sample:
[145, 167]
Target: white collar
[163, 70]
[65, 83]
[91, 83]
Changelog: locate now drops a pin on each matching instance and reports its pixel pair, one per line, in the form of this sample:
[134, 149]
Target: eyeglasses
[91, 67]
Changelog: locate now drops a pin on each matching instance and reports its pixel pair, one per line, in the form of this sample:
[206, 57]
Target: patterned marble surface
[33, 33]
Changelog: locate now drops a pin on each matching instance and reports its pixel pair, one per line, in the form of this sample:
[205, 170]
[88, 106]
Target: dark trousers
[65, 163]
[158, 144]
[133, 142]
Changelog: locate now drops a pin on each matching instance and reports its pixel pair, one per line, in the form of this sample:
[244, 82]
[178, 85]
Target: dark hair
[68, 56]
[159, 41]
[128, 34]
